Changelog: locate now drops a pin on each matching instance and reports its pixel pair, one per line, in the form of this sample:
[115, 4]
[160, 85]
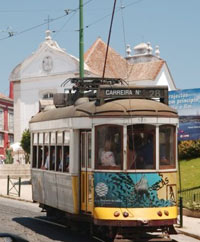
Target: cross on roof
[48, 21]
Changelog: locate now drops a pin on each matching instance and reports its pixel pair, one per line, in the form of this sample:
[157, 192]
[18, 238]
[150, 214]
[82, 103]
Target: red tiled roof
[117, 66]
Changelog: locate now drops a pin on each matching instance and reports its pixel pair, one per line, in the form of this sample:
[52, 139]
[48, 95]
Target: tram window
[40, 149]
[34, 157]
[167, 146]
[141, 147]
[109, 145]
[52, 159]
[59, 158]
[45, 162]
[66, 159]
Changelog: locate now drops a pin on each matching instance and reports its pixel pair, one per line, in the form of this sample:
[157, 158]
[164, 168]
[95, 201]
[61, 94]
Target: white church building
[41, 75]
[37, 78]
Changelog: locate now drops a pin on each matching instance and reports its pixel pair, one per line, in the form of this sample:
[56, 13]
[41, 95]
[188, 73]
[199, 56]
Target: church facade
[37, 78]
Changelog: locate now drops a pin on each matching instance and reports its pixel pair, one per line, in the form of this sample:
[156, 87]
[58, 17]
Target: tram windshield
[141, 146]
[109, 145]
[167, 146]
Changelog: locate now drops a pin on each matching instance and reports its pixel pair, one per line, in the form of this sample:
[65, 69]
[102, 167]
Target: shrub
[189, 149]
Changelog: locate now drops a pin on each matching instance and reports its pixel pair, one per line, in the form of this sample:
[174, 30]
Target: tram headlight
[166, 213]
[159, 213]
[125, 214]
[116, 214]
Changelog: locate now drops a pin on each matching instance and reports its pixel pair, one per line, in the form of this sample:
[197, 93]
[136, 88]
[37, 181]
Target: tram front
[135, 170]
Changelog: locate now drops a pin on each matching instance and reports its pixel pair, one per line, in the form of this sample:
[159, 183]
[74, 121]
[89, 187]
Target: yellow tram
[107, 155]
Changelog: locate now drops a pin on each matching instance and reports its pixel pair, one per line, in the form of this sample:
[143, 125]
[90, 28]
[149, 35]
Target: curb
[16, 198]
[179, 231]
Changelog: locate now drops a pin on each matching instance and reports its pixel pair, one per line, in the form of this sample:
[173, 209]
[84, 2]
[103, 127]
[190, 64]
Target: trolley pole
[81, 40]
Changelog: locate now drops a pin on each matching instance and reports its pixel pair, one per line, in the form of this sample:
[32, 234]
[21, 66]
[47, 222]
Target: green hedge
[189, 149]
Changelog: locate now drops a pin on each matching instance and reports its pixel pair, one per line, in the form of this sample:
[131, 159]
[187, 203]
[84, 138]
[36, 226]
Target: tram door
[86, 172]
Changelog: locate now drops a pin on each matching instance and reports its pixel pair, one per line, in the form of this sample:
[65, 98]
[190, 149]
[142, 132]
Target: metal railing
[188, 198]
[13, 187]
[191, 197]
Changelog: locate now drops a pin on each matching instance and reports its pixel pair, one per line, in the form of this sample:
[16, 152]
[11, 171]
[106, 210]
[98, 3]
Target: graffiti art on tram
[130, 190]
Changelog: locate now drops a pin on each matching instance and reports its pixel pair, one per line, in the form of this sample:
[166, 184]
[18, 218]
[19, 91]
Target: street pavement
[191, 226]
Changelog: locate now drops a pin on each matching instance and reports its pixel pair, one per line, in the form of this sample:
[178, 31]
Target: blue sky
[171, 24]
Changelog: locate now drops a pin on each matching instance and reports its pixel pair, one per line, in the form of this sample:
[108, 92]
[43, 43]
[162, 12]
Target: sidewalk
[191, 226]
[25, 192]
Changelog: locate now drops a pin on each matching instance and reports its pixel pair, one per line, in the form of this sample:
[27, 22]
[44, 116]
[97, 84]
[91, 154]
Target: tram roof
[115, 108]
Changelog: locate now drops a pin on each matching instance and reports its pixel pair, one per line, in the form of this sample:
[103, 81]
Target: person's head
[108, 145]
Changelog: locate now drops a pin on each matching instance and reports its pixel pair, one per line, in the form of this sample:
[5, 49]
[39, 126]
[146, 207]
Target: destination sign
[133, 92]
[122, 92]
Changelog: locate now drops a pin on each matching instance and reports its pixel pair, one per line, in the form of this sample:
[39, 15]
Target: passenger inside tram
[109, 146]
[52, 160]
[66, 160]
[145, 153]
[107, 155]
[64, 163]
[46, 164]
[140, 150]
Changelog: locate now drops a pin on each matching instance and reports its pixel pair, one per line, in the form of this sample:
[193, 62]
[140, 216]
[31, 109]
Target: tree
[9, 158]
[25, 144]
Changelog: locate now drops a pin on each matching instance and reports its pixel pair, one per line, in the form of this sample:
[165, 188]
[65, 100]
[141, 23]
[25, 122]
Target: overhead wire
[31, 28]
[67, 12]
[58, 31]
[74, 12]
[108, 15]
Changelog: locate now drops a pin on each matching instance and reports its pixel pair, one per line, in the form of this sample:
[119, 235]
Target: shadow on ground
[51, 231]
